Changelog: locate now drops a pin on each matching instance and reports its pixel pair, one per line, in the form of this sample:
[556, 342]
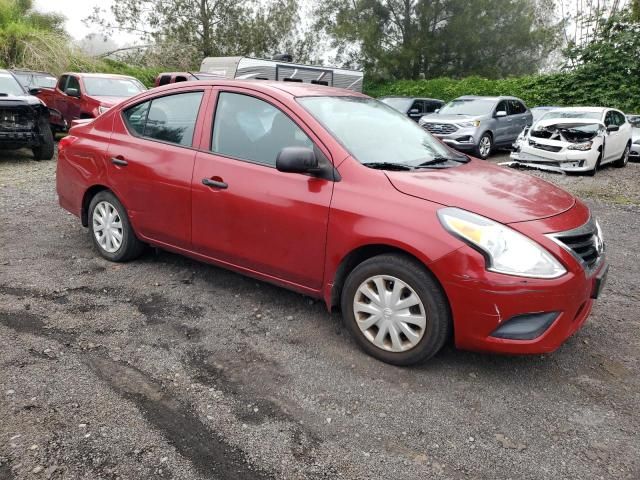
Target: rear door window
[248, 128]
[169, 119]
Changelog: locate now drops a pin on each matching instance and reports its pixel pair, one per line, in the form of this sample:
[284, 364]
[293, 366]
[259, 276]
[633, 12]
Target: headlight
[506, 251]
[474, 123]
[580, 146]
[102, 109]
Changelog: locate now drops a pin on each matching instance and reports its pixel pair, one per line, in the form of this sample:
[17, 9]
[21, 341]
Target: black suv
[24, 119]
[413, 107]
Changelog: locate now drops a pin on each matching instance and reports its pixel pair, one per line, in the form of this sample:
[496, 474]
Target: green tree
[210, 27]
[428, 38]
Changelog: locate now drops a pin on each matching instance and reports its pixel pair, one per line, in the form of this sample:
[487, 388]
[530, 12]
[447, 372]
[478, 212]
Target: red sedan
[337, 196]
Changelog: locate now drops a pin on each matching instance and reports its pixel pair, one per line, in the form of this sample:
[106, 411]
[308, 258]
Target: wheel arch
[86, 200]
[358, 255]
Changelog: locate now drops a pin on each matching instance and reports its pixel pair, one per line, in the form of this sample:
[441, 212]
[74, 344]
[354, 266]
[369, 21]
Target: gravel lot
[168, 368]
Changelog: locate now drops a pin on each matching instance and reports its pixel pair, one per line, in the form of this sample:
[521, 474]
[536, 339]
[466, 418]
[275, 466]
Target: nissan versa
[338, 196]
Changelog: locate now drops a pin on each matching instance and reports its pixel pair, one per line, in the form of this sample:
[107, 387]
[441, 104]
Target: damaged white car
[574, 140]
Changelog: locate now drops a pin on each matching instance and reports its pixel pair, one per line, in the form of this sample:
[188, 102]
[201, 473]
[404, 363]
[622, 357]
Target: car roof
[294, 89]
[584, 109]
[98, 75]
[26, 70]
[410, 98]
[488, 97]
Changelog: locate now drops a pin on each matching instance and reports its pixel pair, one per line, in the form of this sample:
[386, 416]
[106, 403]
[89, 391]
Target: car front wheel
[395, 309]
[111, 230]
[624, 159]
[485, 145]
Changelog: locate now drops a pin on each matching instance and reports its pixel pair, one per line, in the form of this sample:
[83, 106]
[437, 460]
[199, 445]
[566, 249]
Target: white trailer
[261, 69]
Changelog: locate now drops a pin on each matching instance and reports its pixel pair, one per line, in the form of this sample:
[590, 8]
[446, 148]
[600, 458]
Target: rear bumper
[482, 303]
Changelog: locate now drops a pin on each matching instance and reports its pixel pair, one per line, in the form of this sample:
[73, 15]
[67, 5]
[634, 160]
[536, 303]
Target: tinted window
[515, 107]
[73, 83]
[432, 107]
[164, 79]
[62, 82]
[136, 116]
[619, 118]
[418, 105]
[173, 118]
[502, 107]
[608, 119]
[251, 129]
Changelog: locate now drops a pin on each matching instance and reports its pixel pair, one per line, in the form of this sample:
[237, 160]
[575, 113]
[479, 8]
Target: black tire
[438, 326]
[45, 150]
[130, 247]
[480, 150]
[624, 159]
[592, 172]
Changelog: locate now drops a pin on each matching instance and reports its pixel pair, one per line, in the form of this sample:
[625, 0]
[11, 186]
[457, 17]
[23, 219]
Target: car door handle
[214, 183]
[121, 162]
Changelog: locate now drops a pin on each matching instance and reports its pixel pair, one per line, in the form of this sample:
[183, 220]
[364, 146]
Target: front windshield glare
[468, 106]
[112, 87]
[374, 132]
[571, 114]
[9, 85]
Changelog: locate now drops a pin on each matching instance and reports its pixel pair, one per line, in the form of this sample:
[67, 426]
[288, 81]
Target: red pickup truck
[86, 95]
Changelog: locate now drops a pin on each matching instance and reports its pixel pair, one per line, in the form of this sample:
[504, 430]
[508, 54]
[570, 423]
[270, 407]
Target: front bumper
[565, 160]
[634, 153]
[464, 138]
[483, 303]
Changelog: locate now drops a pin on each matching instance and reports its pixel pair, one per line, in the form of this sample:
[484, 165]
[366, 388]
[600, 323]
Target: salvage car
[413, 107]
[578, 139]
[634, 152]
[87, 95]
[479, 124]
[24, 119]
[335, 195]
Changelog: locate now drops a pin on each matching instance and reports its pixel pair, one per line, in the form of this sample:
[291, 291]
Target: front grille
[440, 128]
[542, 146]
[584, 243]
[15, 120]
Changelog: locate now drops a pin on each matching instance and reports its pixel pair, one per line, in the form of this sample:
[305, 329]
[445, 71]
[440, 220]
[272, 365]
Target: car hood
[108, 101]
[437, 118]
[495, 192]
[19, 100]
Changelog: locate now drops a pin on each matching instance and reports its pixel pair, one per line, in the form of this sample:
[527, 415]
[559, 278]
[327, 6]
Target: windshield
[112, 87]
[468, 106]
[571, 114]
[9, 85]
[397, 103]
[538, 112]
[31, 80]
[373, 132]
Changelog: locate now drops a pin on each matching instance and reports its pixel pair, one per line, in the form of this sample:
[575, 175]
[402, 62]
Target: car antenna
[193, 75]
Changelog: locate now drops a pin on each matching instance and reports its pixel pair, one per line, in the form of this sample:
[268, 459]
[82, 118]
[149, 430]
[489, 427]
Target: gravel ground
[168, 368]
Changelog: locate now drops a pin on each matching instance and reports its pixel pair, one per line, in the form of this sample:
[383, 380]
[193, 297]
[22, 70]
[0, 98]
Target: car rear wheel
[45, 150]
[111, 230]
[395, 310]
[624, 159]
[485, 145]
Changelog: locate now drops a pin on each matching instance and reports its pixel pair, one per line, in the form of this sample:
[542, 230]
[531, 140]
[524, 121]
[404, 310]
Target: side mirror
[501, 113]
[414, 112]
[437, 110]
[297, 160]
[613, 128]
[34, 91]
[73, 92]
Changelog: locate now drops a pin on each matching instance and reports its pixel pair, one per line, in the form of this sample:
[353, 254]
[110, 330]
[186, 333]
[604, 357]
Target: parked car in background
[281, 68]
[413, 107]
[31, 79]
[330, 193]
[575, 139]
[87, 95]
[479, 124]
[166, 78]
[634, 153]
[24, 119]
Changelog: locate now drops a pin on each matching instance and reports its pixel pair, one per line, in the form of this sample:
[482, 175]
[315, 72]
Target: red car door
[250, 215]
[151, 163]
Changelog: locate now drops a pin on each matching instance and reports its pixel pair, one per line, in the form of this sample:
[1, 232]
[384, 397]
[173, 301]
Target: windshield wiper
[442, 159]
[388, 166]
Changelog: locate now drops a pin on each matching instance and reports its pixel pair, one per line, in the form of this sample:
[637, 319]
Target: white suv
[575, 139]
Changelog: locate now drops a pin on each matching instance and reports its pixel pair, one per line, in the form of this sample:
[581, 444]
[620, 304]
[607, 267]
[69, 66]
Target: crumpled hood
[438, 118]
[504, 195]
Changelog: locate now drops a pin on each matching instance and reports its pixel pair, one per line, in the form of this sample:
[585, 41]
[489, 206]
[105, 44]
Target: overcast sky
[75, 11]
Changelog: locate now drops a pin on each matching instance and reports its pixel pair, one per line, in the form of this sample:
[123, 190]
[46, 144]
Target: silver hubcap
[107, 227]
[625, 156]
[485, 146]
[389, 313]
